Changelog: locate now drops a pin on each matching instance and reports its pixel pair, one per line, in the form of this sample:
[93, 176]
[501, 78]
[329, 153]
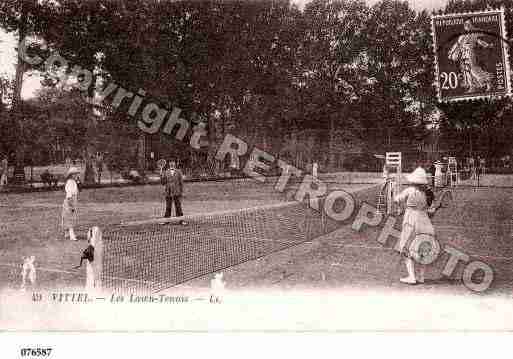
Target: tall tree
[396, 65]
[7, 135]
[334, 42]
[19, 17]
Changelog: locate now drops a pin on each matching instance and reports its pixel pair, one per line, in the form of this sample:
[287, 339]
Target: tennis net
[149, 257]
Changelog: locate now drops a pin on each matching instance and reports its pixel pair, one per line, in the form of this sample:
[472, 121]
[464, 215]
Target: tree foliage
[259, 69]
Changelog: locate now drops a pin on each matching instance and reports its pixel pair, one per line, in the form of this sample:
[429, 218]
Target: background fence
[352, 151]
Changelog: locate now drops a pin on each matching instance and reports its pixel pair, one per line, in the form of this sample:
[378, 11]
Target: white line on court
[393, 250]
[307, 242]
[43, 269]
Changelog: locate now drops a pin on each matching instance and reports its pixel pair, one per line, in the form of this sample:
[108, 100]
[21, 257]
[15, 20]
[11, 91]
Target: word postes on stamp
[471, 56]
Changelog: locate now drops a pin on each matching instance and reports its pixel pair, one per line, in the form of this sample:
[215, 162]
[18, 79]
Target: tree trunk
[470, 142]
[331, 145]
[89, 174]
[89, 177]
[141, 153]
[212, 144]
[19, 170]
[18, 82]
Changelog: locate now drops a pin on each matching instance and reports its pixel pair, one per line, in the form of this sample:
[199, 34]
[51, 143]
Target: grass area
[478, 223]
[31, 221]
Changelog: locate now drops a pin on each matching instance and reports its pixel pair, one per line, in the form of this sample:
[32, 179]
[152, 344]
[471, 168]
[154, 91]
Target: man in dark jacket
[172, 179]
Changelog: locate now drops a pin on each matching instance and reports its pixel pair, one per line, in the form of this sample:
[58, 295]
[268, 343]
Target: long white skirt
[415, 223]
[68, 217]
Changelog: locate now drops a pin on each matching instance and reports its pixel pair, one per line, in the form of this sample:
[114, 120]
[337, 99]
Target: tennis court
[278, 277]
[263, 248]
[31, 225]
[478, 223]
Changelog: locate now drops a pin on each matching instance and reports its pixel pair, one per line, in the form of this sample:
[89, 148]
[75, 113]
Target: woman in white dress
[418, 199]
[69, 206]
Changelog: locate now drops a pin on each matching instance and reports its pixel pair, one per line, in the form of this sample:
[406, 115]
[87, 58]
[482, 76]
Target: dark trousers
[177, 200]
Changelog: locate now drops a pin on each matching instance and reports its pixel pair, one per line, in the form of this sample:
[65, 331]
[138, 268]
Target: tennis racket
[444, 200]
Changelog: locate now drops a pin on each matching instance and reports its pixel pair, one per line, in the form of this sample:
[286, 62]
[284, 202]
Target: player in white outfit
[417, 198]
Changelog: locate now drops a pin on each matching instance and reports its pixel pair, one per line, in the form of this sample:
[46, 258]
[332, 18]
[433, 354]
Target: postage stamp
[471, 55]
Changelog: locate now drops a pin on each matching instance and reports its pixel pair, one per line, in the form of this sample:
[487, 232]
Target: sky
[32, 84]
[417, 4]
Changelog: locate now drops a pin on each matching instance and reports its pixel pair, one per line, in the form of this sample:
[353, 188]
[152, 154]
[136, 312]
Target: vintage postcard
[241, 166]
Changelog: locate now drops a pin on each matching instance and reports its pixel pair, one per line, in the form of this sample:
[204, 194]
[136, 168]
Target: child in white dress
[28, 272]
[417, 199]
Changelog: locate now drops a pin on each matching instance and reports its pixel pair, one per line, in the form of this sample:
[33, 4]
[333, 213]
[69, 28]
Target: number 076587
[35, 352]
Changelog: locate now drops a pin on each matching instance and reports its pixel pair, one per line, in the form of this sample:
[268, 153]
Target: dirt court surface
[31, 222]
[479, 223]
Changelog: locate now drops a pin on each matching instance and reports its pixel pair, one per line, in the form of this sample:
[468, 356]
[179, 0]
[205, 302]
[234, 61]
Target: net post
[452, 172]
[94, 269]
[324, 216]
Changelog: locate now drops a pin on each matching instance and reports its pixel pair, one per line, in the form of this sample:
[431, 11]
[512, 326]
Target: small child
[28, 272]
[418, 199]
[217, 284]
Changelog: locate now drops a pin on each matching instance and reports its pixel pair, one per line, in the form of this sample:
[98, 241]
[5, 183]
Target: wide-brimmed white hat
[419, 176]
[72, 171]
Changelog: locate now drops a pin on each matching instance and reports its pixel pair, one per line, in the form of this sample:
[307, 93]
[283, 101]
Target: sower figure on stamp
[418, 200]
[172, 179]
[464, 51]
